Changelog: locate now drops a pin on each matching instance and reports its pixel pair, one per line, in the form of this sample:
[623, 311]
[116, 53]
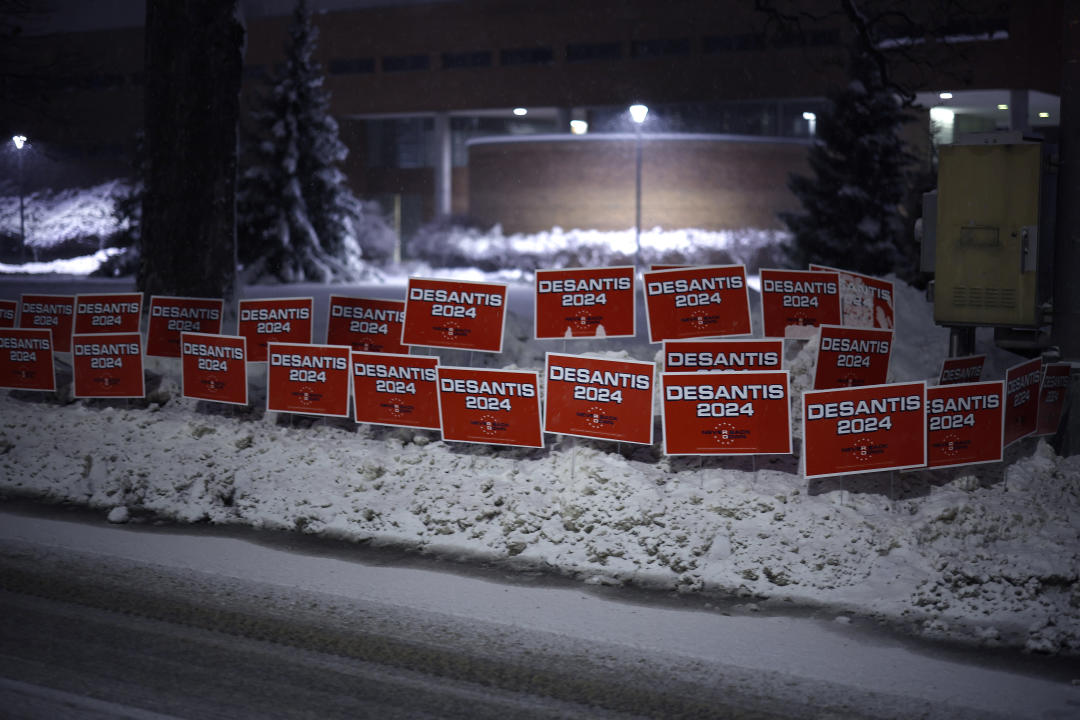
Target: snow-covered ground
[987, 555]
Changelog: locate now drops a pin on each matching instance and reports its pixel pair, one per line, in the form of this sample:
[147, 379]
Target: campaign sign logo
[26, 359]
[500, 407]
[49, 312]
[726, 413]
[8, 309]
[865, 301]
[366, 324]
[964, 423]
[454, 314]
[794, 301]
[107, 365]
[213, 367]
[862, 429]
[170, 316]
[286, 320]
[108, 313]
[392, 389]
[713, 355]
[1022, 400]
[1052, 392]
[585, 302]
[697, 302]
[961, 369]
[852, 357]
[309, 379]
[595, 398]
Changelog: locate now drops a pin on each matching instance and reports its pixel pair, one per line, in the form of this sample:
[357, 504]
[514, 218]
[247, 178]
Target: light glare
[519, 111]
[809, 116]
[1044, 114]
[1003, 106]
[579, 127]
[19, 141]
[945, 95]
[638, 113]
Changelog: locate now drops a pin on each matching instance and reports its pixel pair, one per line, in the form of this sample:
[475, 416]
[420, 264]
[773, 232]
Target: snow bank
[987, 554]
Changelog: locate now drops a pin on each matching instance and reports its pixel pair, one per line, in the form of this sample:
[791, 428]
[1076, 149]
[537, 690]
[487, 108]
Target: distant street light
[519, 111]
[20, 141]
[811, 120]
[638, 114]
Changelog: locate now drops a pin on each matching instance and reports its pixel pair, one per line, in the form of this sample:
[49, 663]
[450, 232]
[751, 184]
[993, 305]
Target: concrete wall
[710, 182]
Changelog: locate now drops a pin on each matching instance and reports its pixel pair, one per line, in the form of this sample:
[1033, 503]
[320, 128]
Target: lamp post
[638, 113]
[20, 141]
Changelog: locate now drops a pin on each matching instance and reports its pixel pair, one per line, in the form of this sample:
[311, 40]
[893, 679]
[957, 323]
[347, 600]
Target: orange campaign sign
[309, 379]
[49, 312]
[865, 301]
[726, 413]
[107, 365]
[394, 389]
[366, 324]
[8, 310]
[499, 407]
[213, 367]
[852, 357]
[961, 369]
[170, 316]
[598, 398]
[705, 355]
[862, 429]
[585, 302]
[697, 302]
[264, 321]
[1052, 392]
[964, 423]
[794, 301]
[455, 314]
[108, 313]
[1022, 400]
[26, 359]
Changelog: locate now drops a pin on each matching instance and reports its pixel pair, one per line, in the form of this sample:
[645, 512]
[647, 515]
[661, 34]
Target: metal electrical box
[987, 235]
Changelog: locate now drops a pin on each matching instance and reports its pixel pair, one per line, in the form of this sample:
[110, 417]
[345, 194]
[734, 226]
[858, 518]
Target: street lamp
[20, 142]
[638, 113]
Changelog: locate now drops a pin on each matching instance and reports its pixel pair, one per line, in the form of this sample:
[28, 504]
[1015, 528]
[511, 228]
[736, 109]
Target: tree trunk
[193, 64]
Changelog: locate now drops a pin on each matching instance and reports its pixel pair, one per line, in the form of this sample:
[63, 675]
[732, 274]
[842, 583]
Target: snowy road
[216, 625]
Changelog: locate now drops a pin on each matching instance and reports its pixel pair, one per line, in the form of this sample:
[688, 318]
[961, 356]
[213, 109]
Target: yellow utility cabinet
[988, 235]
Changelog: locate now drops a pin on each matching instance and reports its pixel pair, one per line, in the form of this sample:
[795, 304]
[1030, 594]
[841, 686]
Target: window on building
[405, 63]
[527, 56]
[473, 59]
[407, 142]
[585, 52]
[660, 47]
[352, 66]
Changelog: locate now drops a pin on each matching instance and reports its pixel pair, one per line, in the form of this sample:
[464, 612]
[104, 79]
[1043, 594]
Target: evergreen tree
[297, 218]
[853, 217]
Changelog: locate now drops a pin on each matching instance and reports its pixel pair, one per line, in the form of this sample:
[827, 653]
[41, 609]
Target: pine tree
[297, 218]
[852, 215]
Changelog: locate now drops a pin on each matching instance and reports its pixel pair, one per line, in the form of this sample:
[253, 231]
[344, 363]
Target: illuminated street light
[945, 95]
[20, 142]
[519, 111]
[579, 127]
[1003, 106]
[637, 114]
[811, 119]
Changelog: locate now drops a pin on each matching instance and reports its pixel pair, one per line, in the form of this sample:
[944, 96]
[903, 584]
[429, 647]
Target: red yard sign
[793, 301]
[394, 389]
[366, 324]
[500, 407]
[865, 301]
[726, 413]
[585, 302]
[213, 367]
[455, 314]
[964, 423]
[1022, 400]
[596, 398]
[309, 379]
[1052, 392]
[108, 313]
[107, 365]
[49, 312]
[286, 320]
[698, 355]
[961, 369]
[852, 357]
[8, 310]
[862, 429]
[26, 359]
[697, 302]
[170, 316]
